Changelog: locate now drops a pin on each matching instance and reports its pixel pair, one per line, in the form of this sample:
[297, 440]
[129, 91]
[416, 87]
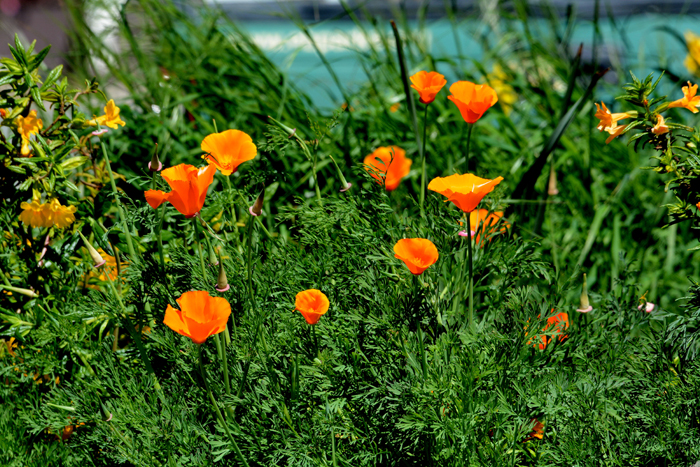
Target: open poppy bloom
[472, 100]
[428, 84]
[388, 163]
[228, 149]
[111, 117]
[489, 220]
[312, 304]
[200, 315]
[417, 253]
[690, 100]
[465, 191]
[26, 127]
[189, 188]
[560, 321]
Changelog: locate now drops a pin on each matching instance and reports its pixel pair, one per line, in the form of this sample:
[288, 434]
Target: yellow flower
[660, 128]
[614, 131]
[51, 214]
[692, 60]
[27, 126]
[608, 121]
[506, 94]
[111, 117]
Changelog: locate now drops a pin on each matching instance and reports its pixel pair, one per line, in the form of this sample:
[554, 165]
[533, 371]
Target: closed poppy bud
[417, 253]
[465, 191]
[222, 281]
[155, 165]
[312, 304]
[428, 84]
[256, 208]
[200, 315]
[472, 100]
[585, 304]
[96, 257]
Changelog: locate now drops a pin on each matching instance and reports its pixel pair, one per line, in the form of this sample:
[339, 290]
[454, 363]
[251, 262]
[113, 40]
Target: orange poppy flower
[189, 188]
[465, 191]
[472, 100]
[537, 430]
[428, 84]
[312, 304]
[489, 220]
[417, 253]
[200, 315]
[389, 163]
[690, 100]
[560, 321]
[228, 149]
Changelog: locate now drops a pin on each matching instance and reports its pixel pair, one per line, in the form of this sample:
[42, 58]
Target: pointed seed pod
[96, 257]
[256, 209]
[222, 281]
[155, 165]
[585, 304]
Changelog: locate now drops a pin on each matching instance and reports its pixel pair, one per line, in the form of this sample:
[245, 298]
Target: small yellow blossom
[498, 80]
[660, 128]
[26, 127]
[51, 214]
[394, 107]
[111, 117]
[690, 100]
[692, 60]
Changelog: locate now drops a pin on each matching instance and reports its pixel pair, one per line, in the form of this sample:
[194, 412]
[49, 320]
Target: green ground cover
[402, 369]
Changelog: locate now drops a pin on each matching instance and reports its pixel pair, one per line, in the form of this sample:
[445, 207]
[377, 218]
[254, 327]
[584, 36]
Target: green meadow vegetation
[176, 293]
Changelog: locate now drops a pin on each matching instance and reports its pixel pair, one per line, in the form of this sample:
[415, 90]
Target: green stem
[200, 249]
[219, 417]
[251, 222]
[423, 176]
[135, 336]
[469, 140]
[471, 274]
[233, 210]
[159, 236]
[120, 208]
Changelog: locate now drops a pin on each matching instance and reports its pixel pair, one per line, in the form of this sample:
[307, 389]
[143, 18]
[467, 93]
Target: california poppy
[489, 220]
[111, 117]
[189, 188]
[200, 315]
[472, 100]
[537, 430]
[417, 253]
[560, 321]
[312, 304]
[389, 163]
[228, 149]
[465, 191]
[428, 84]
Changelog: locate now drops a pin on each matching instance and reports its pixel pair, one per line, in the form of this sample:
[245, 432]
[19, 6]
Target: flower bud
[256, 208]
[222, 281]
[155, 165]
[552, 184]
[27, 292]
[212, 255]
[346, 185]
[585, 304]
[96, 257]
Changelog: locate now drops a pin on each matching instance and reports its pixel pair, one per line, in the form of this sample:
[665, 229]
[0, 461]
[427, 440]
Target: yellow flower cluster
[27, 126]
[51, 214]
[111, 117]
[692, 60]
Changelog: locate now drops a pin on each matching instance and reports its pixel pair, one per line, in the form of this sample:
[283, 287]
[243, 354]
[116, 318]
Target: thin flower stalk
[423, 169]
[120, 207]
[471, 275]
[219, 416]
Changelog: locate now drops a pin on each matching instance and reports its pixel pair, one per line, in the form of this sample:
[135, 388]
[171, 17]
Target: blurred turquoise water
[634, 43]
